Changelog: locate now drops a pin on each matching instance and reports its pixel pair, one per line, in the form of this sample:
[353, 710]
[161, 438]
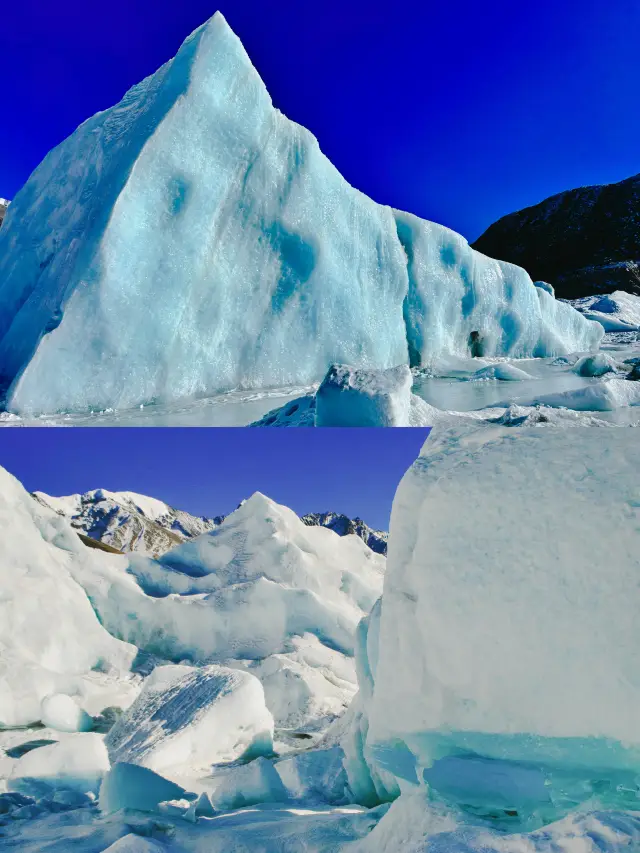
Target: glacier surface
[192, 240]
[263, 592]
[496, 673]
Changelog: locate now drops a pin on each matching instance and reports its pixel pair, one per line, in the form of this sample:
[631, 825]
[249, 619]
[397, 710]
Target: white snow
[62, 713]
[134, 844]
[187, 719]
[306, 685]
[50, 637]
[616, 312]
[75, 764]
[497, 673]
[254, 587]
[192, 240]
[508, 651]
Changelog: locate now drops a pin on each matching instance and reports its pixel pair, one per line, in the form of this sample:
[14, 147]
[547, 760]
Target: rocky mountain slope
[343, 526]
[4, 204]
[129, 522]
[584, 241]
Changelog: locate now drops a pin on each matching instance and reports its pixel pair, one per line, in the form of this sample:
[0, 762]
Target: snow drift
[50, 637]
[192, 239]
[616, 312]
[263, 592]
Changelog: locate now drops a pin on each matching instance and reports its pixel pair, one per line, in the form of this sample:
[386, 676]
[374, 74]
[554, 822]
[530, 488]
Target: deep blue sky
[459, 111]
[209, 471]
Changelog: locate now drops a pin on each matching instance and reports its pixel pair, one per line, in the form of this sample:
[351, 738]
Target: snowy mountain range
[4, 204]
[128, 521]
[343, 526]
[131, 522]
[584, 241]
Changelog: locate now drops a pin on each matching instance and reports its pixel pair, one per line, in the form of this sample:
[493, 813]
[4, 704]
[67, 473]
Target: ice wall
[455, 291]
[192, 239]
[509, 644]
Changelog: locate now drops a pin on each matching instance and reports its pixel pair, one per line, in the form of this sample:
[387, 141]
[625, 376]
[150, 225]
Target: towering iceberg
[506, 658]
[192, 239]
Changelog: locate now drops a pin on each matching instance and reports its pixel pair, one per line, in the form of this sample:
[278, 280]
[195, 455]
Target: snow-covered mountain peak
[345, 526]
[128, 521]
[266, 540]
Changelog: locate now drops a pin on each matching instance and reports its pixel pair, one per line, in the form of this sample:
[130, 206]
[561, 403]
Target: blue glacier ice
[192, 240]
[360, 398]
[503, 669]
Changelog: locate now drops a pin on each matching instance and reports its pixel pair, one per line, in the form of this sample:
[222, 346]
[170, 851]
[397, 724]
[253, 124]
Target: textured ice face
[460, 302]
[187, 719]
[364, 398]
[192, 239]
[509, 636]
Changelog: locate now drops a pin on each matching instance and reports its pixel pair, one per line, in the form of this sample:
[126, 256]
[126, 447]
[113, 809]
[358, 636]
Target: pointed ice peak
[261, 507]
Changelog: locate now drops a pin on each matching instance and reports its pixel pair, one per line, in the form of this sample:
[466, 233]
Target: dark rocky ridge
[584, 241]
[344, 526]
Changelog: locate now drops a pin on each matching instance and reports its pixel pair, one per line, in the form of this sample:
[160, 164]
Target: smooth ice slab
[130, 786]
[509, 630]
[192, 240]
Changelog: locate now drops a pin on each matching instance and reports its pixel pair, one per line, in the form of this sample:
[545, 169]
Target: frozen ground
[449, 385]
[446, 383]
[236, 408]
